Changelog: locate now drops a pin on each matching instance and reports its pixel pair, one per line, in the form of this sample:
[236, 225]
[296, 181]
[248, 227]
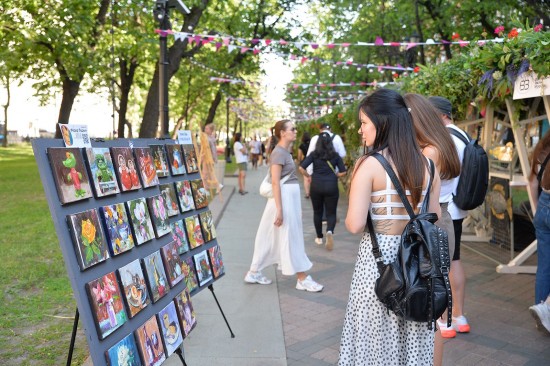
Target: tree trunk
[126, 81]
[6, 106]
[213, 108]
[70, 91]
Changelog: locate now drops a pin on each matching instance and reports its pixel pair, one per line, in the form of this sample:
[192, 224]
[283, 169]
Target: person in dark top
[302, 152]
[324, 185]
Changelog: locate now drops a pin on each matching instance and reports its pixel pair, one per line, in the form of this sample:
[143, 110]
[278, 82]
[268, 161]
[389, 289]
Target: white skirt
[283, 245]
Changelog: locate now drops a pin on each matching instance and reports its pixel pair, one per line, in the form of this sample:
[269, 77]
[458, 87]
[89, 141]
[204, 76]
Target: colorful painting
[117, 228]
[159, 214]
[194, 232]
[125, 167]
[141, 221]
[189, 274]
[200, 194]
[102, 171]
[170, 328]
[134, 287]
[186, 313]
[216, 261]
[175, 157]
[169, 194]
[150, 343]
[159, 160]
[124, 352]
[185, 196]
[202, 266]
[69, 173]
[207, 224]
[172, 263]
[146, 166]
[180, 237]
[106, 302]
[190, 158]
[89, 241]
[156, 277]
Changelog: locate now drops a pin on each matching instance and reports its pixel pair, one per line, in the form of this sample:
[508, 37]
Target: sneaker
[256, 277]
[541, 313]
[330, 241]
[319, 241]
[308, 285]
[460, 324]
[446, 332]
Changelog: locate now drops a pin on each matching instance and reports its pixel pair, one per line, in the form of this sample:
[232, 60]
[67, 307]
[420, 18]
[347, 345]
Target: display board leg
[211, 288]
[73, 338]
[180, 353]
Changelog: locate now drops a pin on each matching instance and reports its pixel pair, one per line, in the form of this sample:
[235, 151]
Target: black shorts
[457, 224]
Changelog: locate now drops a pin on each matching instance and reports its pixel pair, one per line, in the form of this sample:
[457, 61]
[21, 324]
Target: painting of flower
[89, 240]
[159, 214]
[124, 352]
[141, 221]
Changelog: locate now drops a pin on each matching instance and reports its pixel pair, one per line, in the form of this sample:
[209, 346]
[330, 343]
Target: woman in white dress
[372, 335]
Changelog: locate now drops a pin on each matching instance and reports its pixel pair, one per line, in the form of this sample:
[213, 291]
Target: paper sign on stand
[530, 85]
[75, 135]
[184, 137]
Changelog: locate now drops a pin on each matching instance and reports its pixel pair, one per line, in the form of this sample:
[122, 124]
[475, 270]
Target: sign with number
[75, 135]
[530, 85]
[184, 137]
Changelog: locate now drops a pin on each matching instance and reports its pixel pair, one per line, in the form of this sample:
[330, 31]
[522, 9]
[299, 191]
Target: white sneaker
[308, 285]
[256, 277]
[319, 241]
[330, 241]
[541, 313]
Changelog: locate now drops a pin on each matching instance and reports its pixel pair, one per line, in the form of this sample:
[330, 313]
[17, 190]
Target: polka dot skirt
[371, 336]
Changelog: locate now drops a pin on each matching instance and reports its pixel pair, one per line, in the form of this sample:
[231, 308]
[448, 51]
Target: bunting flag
[234, 81]
[333, 85]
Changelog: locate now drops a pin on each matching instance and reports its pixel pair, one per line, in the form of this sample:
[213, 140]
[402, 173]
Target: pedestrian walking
[241, 157]
[302, 152]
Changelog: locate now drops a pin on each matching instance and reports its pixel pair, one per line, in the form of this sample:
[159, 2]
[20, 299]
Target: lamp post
[227, 148]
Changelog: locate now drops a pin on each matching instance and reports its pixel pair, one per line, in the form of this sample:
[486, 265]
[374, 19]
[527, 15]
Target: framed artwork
[146, 166]
[106, 302]
[179, 236]
[169, 193]
[159, 214]
[200, 194]
[125, 167]
[190, 158]
[159, 160]
[207, 224]
[134, 287]
[140, 220]
[149, 343]
[185, 196]
[194, 233]
[172, 263]
[102, 171]
[202, 266]
[117, 228]
[186, 313]
[216, 261]
[189, 274]
[156, 277]
[69, 173]
[170, 328]
[124, 352]
[175, 158]
[88, 238]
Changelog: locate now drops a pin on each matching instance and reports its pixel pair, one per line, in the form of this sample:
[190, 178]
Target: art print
[202, 266]
[141, 221]
[149, 343]
[156, 277]
[194, 232]
[201, 195]
[117, 228]
[190, 158]
[207, 224]
[185, 196]
[146, 166]
[170, 328]
[172, 263]
[102, 171]
[106, 302]
[179, 236]
[125, 167]
[189, 274]
[124, 352]
[169, 194]
[216, 261]
[134, 287]
[159, 160]
[175, 157]
[69, 173]
[159, 215]
[88, 238]
[186, 313]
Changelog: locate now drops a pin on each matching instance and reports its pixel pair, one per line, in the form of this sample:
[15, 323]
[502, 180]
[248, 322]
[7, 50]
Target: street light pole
[227, 148]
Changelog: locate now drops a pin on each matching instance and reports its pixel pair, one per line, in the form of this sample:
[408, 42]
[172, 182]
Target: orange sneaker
[446, 332]
[460, 324]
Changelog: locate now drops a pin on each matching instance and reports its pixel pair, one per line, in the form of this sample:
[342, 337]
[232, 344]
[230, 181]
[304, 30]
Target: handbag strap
[332, 168]
[281, 181]
[541, 170]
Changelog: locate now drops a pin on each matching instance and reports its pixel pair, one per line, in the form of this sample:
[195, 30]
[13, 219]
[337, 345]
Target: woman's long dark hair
[324, 149]
[541, 150]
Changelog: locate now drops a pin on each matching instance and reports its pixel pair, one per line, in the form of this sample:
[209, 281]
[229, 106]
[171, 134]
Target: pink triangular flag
[395, 44]
[267, 42]
[226, 41]
[218, 45]
[255, 41]
[197, 39]
[411, 45]
[379, 41]
[256, 51]
[303, 60]
[330, 45]
[345, 44]
[282, 41]
[244, 49]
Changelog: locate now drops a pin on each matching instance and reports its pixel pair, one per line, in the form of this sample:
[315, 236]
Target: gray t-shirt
[282, 157]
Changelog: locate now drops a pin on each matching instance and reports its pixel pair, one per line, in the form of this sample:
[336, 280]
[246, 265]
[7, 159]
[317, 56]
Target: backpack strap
[460, 136]
[541, 171]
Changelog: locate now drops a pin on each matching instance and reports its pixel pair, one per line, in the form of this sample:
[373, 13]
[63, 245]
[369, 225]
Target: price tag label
[75, 135]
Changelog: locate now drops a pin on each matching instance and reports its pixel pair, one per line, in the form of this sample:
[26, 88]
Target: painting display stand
[211, 288]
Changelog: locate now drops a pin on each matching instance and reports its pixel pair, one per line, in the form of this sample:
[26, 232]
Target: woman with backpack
[373, 335]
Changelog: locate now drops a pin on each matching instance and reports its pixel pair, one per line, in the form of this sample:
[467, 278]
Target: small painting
[202, 265]
[194, 233]
[186, 313]
[170, 328]
[89, 241]
[134, 287]
[159, 214]
[124, 352]
[141, 221]
[190, 158]
[149, 343]
[69, 173]
[102, 171]
[125, 167]
[185, 196]
[156, 277]
[106, 302]
[159, 160]
[200, 194]
[189, 273]
[169, 193]
[175, 157]
[180, 237]
[172, 263]
[216, 261]
[117, 228]
[146, 167]
[207, 224]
